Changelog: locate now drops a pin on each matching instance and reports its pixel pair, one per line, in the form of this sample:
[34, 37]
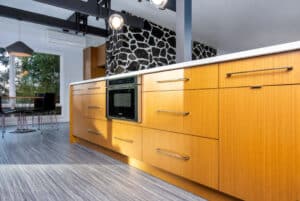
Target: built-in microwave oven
[123, 99]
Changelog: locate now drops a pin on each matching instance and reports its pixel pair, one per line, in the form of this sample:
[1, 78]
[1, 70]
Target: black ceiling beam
[77, 16]
[49, 21]
[92, 8]
[81, 21]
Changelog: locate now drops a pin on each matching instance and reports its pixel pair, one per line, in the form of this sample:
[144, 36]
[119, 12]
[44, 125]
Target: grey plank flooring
[35, 167]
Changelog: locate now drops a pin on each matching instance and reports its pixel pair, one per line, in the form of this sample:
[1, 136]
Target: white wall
[35, 36]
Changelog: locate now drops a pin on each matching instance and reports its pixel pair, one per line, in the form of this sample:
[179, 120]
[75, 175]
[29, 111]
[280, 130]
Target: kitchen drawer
[97, 132]
[78, 89]
[192, 112]
[95, 106]
[194, 158]
[90, 88]
[189, 78]
[127, 140]
[266, 70]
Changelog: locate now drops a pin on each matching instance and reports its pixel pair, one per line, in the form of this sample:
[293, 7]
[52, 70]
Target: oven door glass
[122, 104]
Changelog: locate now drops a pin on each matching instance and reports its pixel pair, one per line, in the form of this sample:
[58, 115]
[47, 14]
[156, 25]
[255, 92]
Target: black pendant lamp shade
[19, 49]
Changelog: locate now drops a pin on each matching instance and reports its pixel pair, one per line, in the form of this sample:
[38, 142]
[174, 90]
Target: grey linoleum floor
[46, 167]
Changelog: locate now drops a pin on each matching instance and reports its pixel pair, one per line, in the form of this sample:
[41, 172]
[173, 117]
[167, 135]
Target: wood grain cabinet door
[202, 77]
[190, 111]
[78, 123]
[98, 132]
[194, 158]
[275, 69]
[259, 143]
[95, 106]
[127, 139]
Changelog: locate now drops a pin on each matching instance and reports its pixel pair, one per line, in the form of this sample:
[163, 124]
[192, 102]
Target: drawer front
[78, 89]
[190, 78]
[193, 112]
[90, 88]
[95, 106]
[95, 87]
[97, 132]
[194, 158]
[127, 139]
[267, 70]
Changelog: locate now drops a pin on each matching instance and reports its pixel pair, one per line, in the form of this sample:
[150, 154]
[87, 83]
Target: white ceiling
[228, 25]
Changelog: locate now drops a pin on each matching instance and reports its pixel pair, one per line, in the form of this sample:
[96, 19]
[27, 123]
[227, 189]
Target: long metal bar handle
[94, 107]
[174, 112]
[175, 80]
[172, 154]
[289, 68]
[93, 132]
[124, 140]
[93, 88]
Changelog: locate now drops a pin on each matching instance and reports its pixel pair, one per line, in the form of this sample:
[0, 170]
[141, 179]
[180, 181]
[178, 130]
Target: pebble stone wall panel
[133, 49]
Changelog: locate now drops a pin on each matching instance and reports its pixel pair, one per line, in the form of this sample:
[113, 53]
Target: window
[4, 74]
[39, 73]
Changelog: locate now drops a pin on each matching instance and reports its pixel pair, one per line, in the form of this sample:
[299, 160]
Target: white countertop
[217, 59]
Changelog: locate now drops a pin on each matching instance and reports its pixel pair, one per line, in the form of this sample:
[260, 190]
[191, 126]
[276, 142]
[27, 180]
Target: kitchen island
[225, 128]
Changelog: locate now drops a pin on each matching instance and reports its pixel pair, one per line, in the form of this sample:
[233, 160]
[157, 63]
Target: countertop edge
[212, 60]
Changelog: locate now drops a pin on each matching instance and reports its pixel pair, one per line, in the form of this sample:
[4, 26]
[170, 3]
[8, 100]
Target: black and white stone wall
[134, 49]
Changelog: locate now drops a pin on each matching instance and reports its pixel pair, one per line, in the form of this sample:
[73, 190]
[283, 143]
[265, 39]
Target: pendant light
[159, 3]
[19, 49]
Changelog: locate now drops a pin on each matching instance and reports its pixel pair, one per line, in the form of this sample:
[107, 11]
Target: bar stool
[4, 113]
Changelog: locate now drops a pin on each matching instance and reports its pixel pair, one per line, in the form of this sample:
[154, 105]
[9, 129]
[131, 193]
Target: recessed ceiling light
[159, 3]
[116, 22]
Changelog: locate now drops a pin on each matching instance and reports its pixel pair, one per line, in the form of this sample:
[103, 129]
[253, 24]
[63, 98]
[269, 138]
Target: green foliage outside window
[39, 73]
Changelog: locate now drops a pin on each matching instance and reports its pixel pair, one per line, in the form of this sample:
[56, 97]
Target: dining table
[23, 109]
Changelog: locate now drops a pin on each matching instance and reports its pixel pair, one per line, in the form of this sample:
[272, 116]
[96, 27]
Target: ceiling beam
[49, 21]
[92, 8]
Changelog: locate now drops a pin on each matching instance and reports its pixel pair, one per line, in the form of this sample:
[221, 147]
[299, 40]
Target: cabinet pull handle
[228, 75]
[77, 89]
[172, 154]
[124, 140]
[175, 80]
[174, 112]
[94, 88]
[94, 107]
[94, 132]
[256, 87]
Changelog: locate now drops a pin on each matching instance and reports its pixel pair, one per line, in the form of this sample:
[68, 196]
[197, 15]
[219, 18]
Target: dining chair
[38, 109]
[50, 106]
[45, 106]
[4, 113]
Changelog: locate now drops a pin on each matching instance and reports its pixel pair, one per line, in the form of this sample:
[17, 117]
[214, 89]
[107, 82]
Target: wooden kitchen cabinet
[94, 62]
[101, 55]
[127, 139]
[190, 111]
[259, 143]
[78, 122]
[95, 106]
[275, 69]
[98, 132]
[203, 77]
[191, 157]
